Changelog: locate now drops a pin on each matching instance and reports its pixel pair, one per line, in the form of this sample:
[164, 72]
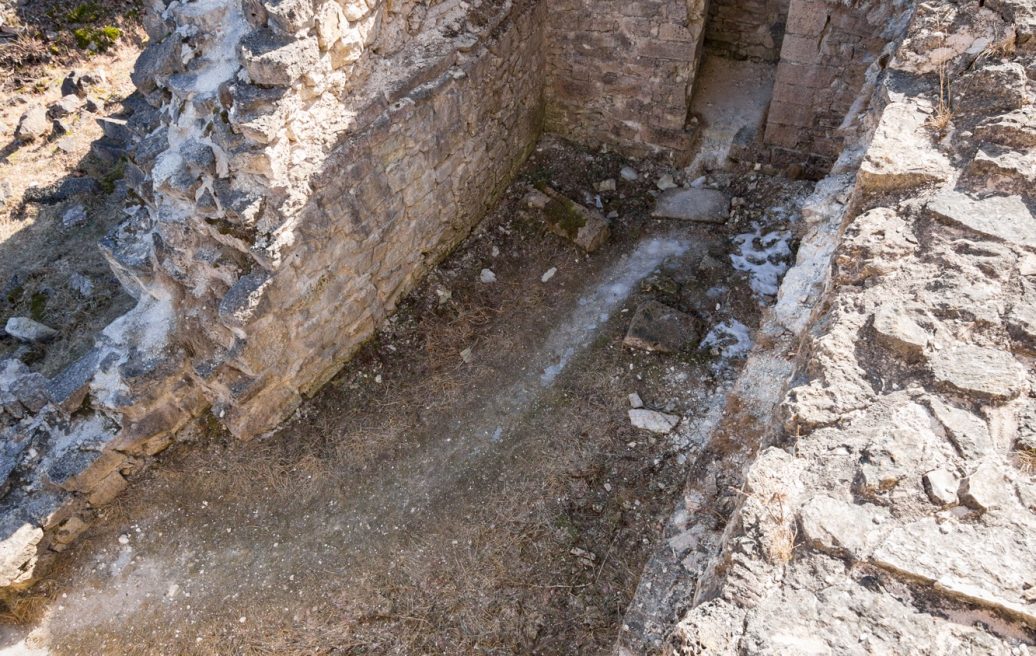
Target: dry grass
[326, 552]
[942, 119]
[780, 546]
[1025, 461]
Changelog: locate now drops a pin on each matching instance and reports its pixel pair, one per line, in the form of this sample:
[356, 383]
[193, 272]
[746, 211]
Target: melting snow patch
[766, 257]
[730, 339]
[595, 307]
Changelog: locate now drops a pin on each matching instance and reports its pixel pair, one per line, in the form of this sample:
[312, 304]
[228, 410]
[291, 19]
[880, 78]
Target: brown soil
[57, 34]
[390, 517]
[38, 254]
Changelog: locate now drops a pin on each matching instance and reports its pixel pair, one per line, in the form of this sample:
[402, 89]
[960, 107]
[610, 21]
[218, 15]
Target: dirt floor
[470, 483]
[44, 259]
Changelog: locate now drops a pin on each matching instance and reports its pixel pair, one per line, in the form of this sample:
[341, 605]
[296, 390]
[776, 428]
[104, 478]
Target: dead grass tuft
[1025, 461]
[943, 116]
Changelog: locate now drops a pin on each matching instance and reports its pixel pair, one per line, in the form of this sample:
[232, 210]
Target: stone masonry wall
[620, 73]
[827, 49]
[304, 164]
[746, 29]
[389, 203]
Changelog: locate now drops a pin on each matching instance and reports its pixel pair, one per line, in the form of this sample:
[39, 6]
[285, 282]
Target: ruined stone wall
[891, 481]
[827, 49]
[746, 29]
[304, 164]
[620, 73]
[388, 204]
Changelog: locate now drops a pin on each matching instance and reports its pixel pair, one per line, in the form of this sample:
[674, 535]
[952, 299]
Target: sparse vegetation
[63, 32]
[943, 116]
[88, 12]
[97, 39]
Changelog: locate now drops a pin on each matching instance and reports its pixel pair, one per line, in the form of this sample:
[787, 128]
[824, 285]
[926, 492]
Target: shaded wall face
[827, 49]
[620, 72]
[390, 203]
[746, 29]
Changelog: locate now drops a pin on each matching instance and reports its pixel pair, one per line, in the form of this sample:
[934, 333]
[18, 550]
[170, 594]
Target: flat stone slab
[1005, 218]
[651, 420]
[901, 155]
[987, 565]
[899, 332]
[660, 328]
[586, 228]
[981, 371]
[702, 205]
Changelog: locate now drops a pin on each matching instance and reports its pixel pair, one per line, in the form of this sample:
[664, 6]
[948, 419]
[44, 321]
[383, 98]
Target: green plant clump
[116, 173]
[566, 216]
[97, 39]
[88, 12]
[37, 305]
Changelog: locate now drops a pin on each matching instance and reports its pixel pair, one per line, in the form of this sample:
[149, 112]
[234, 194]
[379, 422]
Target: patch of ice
[594, 308]
[144, 329]
[731, 339]
[765, 256]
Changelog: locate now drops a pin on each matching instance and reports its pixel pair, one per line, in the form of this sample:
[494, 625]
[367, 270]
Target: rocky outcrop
[894, 510]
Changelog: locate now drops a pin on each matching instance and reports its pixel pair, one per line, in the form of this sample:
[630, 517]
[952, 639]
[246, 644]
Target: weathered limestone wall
[887, 491]
[746, 29]
[620, 73]
[388, 204]
[827, 49]
[304, 165]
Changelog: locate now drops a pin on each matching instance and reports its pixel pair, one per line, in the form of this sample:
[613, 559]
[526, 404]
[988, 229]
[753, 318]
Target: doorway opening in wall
[734, 85]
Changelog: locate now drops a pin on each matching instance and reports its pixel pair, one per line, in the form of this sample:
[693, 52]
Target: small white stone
[123, 539]
[487, 276]
[650, 420]
[666, 182]
[606, 185]
[941, 486]
[465, 355]
[629, 173]
[548, 274]
[25, 329]
[635, 401]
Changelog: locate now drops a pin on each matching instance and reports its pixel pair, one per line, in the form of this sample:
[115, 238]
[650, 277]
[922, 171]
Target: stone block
[1005, 218]
[660, 328]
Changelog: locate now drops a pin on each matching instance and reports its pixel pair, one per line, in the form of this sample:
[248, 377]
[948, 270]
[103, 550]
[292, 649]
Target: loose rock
[651, 420]
[585, 227]
[74, 216]
[941, 487]
[985, 489]
[26, 330]
[33, 125]
[666, 182]
[658, 327]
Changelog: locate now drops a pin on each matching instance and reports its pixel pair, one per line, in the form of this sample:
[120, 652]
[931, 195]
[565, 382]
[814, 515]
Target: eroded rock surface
[910, 514]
